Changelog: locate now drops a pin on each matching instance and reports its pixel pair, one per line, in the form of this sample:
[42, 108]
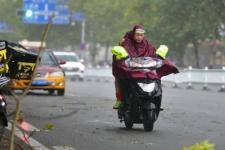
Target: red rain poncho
[143, 49]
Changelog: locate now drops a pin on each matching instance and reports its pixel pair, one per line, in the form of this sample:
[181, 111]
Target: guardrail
[201, 76]
[189, 77]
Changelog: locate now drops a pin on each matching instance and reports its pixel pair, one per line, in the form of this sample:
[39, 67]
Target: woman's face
[138, 37]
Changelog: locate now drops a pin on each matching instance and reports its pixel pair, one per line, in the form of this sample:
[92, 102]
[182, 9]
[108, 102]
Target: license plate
[40, 83]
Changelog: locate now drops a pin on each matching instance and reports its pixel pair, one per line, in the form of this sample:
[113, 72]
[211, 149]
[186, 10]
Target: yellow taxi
[49, 76]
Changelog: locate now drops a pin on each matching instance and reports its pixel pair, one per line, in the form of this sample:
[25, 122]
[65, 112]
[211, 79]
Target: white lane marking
[170, 95]
[63, 148]
[72, 95]
[30, 141]
[103, 122]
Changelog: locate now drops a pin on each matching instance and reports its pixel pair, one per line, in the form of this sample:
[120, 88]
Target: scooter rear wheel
[148, 125]
[2, 128]
[128, 121]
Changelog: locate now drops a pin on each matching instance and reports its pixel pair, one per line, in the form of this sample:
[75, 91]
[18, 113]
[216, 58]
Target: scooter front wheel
[149, 120]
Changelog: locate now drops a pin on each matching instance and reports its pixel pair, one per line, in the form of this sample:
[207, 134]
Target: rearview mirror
[82, 60]
[61, 62]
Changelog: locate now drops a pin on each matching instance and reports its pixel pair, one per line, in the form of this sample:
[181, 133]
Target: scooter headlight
[147, 87]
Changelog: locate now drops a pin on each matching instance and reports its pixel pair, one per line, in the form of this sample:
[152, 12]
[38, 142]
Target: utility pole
[83, 31]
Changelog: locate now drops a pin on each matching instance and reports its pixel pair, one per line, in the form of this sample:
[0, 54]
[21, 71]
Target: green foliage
[106, 21]
[205, 145]
[180, 22]
[173, 22]
[48, 127]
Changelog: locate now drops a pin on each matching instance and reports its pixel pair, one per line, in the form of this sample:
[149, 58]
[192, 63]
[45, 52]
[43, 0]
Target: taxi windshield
[72, 58]
[48, 59]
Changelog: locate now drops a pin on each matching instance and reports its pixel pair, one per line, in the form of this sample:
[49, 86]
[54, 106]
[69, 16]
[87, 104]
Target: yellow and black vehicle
[49, 76]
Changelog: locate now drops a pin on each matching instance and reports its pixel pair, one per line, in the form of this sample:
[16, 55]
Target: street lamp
[25, 13]
[28, 13]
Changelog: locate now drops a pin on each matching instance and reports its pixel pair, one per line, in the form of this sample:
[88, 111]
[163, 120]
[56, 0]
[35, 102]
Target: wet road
[84, 119]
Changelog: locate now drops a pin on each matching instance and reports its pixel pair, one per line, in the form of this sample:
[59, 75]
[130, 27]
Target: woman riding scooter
[136, 45]
[138, 68]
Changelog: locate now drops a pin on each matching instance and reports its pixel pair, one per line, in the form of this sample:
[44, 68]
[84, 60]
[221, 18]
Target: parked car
[73, 66]
[49, 76]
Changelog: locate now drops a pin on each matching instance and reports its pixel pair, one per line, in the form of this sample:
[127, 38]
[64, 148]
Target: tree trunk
[93, 54]
[179, 59]
[177, 53]
[106, 52]
[93, 49]
[196, 51]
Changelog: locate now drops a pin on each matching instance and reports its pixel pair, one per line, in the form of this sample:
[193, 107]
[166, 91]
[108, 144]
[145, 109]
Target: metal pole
[205, 86]
[83, 31]
[189, 86]
[222, 89]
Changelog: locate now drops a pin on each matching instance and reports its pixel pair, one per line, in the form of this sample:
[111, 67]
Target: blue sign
[62, 14]
[4, 27]
[42, 10]
[78, 16]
